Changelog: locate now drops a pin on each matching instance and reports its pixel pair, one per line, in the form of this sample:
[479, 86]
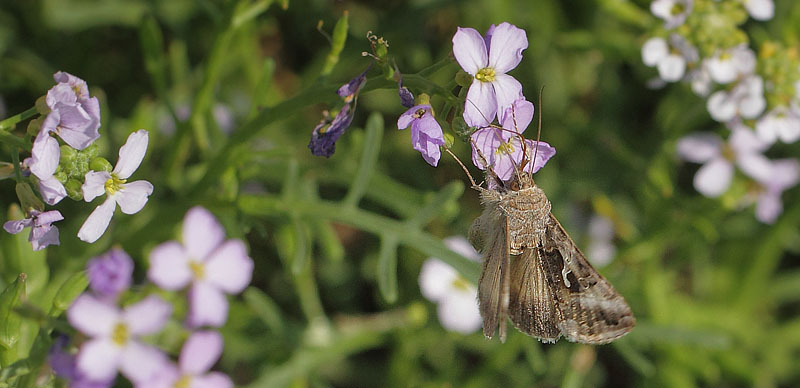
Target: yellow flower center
[114, 184]
[184, 382]
[677, 9]
[485, 75]
[77, 90]
[728, 153]
[197, 269]
[120, 334]
[505, 148]
[461, 284]
[419, 113]
[726, 56]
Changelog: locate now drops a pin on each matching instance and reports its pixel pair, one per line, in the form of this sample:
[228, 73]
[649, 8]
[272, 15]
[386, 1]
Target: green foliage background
[338, 243]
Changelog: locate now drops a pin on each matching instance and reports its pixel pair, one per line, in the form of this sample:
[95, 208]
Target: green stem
[15, 160]
[10, 122]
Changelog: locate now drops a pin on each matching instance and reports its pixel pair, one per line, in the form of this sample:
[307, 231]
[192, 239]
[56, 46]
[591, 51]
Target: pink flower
[488, 59]
[199, 353]
[130, 196]
[212, 265]
[785, 173]
[114, 345]
[426, 133]
[43, 233]
[44, 162]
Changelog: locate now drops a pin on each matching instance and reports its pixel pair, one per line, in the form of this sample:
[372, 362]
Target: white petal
[212, 380]
[207, 306]
[654, 50]
[201, 233]
[469, 49]
[722, 70]
[131, 154]
[147, 316]
[714, 177]
[699, 147]
[769, 207]
[169, 266]
[459, 312]
[98, 221]
[672, 68]
[94, 184]
[141, 363]
[436, 279]
[133, 196]
[755, 165]
[751, 106]
[760, 9]
[507, 43]
[92, 316]
[229, 268]
[744, 60]
[507, 90]
[744, 140]
[46, 155]
[99, 359]
[52, 190]
[721, 106]
[461, 245]
[200, 351]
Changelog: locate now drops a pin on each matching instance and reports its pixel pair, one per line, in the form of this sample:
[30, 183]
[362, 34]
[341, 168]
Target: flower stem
[10, 122]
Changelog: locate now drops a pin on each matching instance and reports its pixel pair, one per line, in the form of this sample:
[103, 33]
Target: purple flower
[78, 116]
[503, 148]
[212, 265]
[131, 196]
[110, 274]
[114, 345]
[43, 163]
[426, 133]
[488, 59]
[785, 173]
[199, 353]
[63, 364]
[43, 233]
[327, 132]
[744, 148]
[406, 97]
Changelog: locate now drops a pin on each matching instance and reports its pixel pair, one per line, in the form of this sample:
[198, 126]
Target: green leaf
[72, 287]
[337, 44]
[10, 321]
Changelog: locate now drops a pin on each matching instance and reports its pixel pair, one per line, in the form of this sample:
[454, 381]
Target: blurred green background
[714, 291]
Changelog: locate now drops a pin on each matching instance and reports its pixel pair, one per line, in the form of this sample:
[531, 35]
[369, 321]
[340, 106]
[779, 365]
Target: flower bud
[463, 78]
[35, 125]
[100, 164]
[73, 187]
[41, 106]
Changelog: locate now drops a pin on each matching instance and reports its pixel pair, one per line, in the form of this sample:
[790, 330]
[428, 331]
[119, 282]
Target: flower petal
[769, 207]
[98, 221]
[92, 316]
[722, 69]
[141, 363]
[518, 116]
[755, 165]
[458, 312]
[200, 351]
[435, 279]
[654, 50]
[94, 184]
[229, 268]
[540, 153]
[505, 50]
[714, 177]
[212, 380]
[507, 90]
[46, 154]
[133, 196]
[52, 190]
[16, 226]
[147, 316]
[169, 266]
[43, 236]
[721, 106]
[99, 359]
[469, 49]
[461, 245]
[207, 306]
[672, 68]
[484, 143]
[201, 233]
[760, 9]
[406, 118]
[131, 154]
[699, 147]
[481, 104]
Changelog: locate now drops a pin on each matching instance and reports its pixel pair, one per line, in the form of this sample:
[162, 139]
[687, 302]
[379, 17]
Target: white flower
[670, 59]
[727, 65]
[457, 297]
[674, 12]
[700, 80]
[601, 248]
[131, 197]
[760, 9]
[785, 173]
[781, 123]
[745, 100]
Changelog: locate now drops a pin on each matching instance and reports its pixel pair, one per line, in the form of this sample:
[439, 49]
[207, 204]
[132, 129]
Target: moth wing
[592, 311]
[531, 305]
[493, 283]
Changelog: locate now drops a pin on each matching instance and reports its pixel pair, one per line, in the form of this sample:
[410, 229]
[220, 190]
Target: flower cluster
[114, 335]
[757, 97]
[74, 169]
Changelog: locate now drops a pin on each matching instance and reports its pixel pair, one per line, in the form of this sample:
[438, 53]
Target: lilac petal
[406, 97]
[207, 306]
[458, 312]
[110, 274]
[229, 268]
[350, 89]
[785, 174]
[94, 184]
[165, 378]
[131, 154]
[46, 154]
[133, 196]
[407, 118]
[97, 222]
[141, 363]
[60, 93]
[487, 37]
[16, 226]
[507, 163]
[52, 190]
[714, 177]
[41, 237]
[212, 380]
[430, 127]
[654, 50]
[77, 85]
[469, 49]
[542, 152]
[324, 137]
[486, 141]
[99, 359]
[201, 233]
[769, 207]
[147, 316]
[92, 317]
[507, 43]
[169, 266]
[427, 147]
[744, 140]
[48, 217]
[77, 128]
[507, 90]
[518, 116]
[201, 350]
[699, 147]
[755, 165]
[481, 104]
[435, 279]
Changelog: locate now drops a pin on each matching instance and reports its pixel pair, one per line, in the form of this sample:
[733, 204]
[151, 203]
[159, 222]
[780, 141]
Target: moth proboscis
[533, 272]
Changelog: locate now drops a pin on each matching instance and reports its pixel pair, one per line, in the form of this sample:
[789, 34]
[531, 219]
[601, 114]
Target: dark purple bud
[350, 90]
[110, 274]
[406, 98]
[325, 135]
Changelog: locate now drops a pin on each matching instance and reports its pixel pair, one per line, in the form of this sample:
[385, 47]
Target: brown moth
[534, 273]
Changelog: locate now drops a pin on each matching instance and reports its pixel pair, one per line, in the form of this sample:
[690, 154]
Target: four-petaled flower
[199, 353]
[110, 274]
[131, 196]
[503, 148]
[426, 133]
[784, 174]
[746, 100]
[212, 265]
[671, 62]
[114, 344]
[78, 115]
[488, 59]
[43, 233]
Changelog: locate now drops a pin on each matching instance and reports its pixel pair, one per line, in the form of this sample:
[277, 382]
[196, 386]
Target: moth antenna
[489, 172]
[522, 141]
[463, 167]
[479, 111]
[539, 132]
